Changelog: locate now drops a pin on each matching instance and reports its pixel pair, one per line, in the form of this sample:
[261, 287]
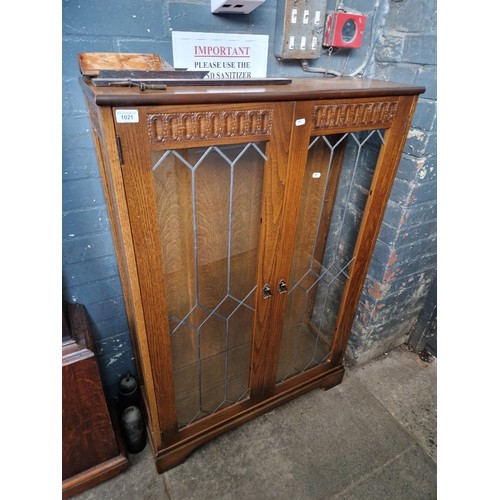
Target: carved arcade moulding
[163, 127]
[354, 114]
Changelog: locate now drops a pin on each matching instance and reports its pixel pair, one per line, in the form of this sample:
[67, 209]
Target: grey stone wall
[404, 262]
[402, 48]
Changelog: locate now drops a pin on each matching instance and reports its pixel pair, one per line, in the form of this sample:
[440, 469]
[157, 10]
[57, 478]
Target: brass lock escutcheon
[282, 286]
[266, 291]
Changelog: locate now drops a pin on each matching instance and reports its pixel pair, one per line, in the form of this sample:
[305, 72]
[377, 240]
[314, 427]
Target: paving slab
[139, 482]
[407, 387]
[315, 447]
[410, 475]
[367, 438]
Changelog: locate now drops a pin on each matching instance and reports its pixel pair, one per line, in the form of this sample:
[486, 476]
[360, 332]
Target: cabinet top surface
[298, 89]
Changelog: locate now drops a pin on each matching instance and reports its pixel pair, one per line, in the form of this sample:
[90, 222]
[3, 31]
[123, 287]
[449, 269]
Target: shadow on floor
[372, 436]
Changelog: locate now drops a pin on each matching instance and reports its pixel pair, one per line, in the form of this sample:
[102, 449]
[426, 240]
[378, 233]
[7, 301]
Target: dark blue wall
[403, 49]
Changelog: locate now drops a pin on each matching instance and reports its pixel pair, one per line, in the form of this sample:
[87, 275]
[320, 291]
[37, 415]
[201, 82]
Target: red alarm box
[344, 30]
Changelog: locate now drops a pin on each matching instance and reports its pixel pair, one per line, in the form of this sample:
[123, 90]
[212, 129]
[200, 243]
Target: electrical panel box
[344, 30]
[234, 7]
[299, 29]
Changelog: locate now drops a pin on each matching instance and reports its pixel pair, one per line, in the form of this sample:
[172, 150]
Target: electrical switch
[299, 29]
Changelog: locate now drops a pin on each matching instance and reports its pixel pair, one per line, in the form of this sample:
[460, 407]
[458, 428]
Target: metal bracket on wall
[234, 6]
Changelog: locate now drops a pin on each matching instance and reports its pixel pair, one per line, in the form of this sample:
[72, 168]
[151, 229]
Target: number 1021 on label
[127, 116]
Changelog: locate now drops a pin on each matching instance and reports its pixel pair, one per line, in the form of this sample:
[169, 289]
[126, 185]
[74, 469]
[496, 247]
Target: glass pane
[338, 175]
[209, 203]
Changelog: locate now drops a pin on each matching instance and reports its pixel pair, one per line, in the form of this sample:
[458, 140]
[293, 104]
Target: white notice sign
[225, 56]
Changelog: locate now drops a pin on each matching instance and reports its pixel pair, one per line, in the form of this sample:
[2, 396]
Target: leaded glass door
[206, 192]
[350, 151]
[338, 174]
[209, 207]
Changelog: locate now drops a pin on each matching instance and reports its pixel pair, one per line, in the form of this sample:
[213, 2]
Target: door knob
[282, 286]
[266, 291]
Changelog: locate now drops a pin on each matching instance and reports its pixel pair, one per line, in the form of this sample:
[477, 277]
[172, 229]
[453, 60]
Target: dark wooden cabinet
[244, 220]
[92, 450]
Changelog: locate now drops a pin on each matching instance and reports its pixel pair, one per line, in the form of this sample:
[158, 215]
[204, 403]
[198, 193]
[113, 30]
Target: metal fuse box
[299, 29]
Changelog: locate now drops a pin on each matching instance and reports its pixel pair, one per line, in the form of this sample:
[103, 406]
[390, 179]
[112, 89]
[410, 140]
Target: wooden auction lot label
[226, 56]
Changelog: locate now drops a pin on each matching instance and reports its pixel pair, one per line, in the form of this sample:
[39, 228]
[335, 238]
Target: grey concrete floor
[371, 437]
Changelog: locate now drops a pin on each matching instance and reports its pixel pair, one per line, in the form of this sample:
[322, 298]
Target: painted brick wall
[403, 49]
[403, 267]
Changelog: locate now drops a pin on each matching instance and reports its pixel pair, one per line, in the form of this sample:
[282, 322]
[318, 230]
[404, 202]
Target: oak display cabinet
[244, 219]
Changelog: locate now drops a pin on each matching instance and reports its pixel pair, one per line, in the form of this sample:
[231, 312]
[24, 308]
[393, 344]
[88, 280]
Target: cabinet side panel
[118, 241]
[108, 158]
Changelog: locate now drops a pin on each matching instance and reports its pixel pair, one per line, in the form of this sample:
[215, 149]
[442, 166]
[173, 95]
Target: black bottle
[128, 393]
[133, 429]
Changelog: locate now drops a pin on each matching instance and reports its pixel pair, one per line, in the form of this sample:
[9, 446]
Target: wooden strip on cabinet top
[93, 62]
[298, 89]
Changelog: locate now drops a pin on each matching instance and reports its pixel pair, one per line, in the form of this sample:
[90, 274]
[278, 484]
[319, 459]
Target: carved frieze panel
[342, 115]
[206, 125]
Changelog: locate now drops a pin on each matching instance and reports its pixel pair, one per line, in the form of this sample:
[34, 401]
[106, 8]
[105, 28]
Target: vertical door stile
[378, 196]
[140, 194]
[285, 169]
